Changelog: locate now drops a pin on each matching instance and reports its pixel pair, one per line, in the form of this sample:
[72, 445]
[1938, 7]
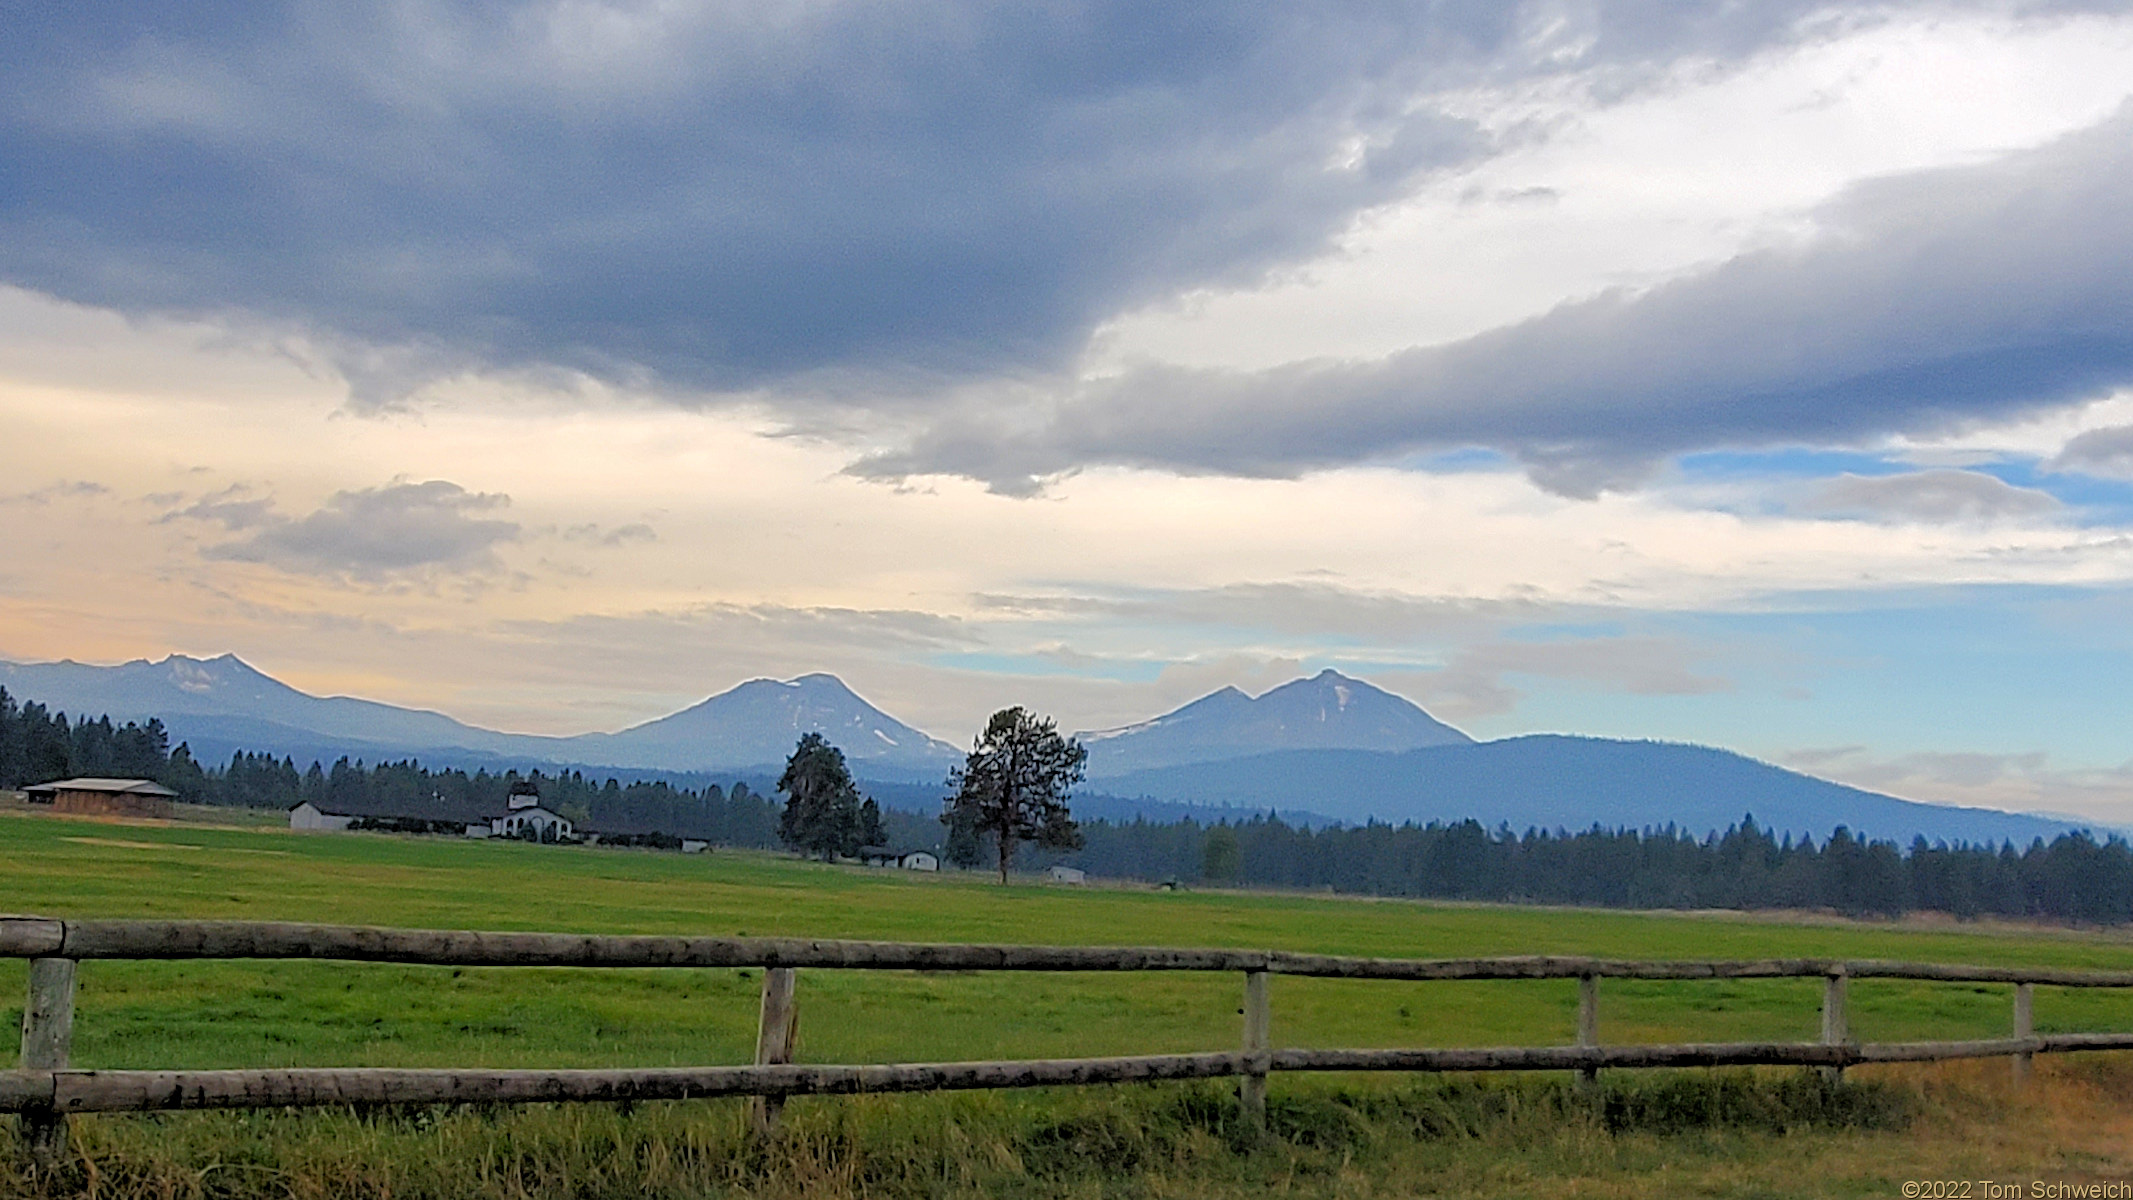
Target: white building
[309, 817]
[909, 860]
[1067, 875]
[522, 816]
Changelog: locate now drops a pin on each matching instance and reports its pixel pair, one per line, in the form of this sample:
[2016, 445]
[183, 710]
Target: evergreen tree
[14, 744]
[964, 848]
[871, 832]
[1220, 855]
[1014, 784]
[821, 804]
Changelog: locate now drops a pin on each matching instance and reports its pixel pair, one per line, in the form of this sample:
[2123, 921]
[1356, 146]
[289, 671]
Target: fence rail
[79, 940]
[44, 1090]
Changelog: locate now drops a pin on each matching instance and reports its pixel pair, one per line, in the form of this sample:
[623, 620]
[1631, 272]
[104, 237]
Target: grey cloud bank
[370, 533]
[734, 196]
[2099, 452]
[1930, 496]
[1921, 302]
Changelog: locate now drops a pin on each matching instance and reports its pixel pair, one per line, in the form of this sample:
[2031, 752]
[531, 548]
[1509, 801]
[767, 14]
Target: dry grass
[1726, 1134]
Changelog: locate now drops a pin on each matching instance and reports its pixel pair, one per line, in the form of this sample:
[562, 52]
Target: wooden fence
[44, 1090]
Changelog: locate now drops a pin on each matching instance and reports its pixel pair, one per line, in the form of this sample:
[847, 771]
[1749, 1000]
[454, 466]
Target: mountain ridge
[216, 700]
[1326, 711]
[1210, 754]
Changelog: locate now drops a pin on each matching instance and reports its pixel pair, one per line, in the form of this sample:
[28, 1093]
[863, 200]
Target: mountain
[1328, 711]
[1551, 781]
[225, 697]
[1327, 747]
[757, 723]
[220, 705]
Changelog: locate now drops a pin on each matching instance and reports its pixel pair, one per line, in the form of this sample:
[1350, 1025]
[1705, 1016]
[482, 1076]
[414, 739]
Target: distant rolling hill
[1551, 781]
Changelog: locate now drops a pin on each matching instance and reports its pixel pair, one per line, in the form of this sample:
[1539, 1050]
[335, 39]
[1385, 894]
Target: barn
[96, 797]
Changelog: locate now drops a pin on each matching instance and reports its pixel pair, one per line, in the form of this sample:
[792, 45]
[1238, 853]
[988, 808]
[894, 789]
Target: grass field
[263, 1014]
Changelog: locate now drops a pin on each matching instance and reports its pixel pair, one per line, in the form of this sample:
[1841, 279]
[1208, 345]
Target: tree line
[2073, 877]
[1013, 788]
[38, 745]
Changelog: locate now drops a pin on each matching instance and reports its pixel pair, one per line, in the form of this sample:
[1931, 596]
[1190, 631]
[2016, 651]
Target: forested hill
[1552, 781]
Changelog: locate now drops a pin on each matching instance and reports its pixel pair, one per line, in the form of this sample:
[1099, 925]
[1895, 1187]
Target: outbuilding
[521, 815]
[97, 797]
[1067, 875]
[909, 860]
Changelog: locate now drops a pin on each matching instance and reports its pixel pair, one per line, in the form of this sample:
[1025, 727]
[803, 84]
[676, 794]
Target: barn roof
[91, 783]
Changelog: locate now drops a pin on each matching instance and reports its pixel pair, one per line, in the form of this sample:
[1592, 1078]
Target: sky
[1754, 373]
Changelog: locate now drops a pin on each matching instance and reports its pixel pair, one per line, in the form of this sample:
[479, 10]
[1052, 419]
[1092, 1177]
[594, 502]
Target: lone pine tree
[1014, 785]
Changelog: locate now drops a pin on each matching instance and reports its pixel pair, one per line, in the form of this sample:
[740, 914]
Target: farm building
[521, 815]
[105, 797]
[1067, 875]
[909, 860]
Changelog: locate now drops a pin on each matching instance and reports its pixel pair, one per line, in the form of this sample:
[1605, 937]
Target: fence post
[1836, 1027]
[2025, 1025]
[47, 1035]
[1588, 1027]
[775, 1035]
[1258, 1020]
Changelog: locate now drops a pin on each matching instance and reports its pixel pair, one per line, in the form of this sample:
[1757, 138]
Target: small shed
[921, 860]
[96, 797]
[1067, 875]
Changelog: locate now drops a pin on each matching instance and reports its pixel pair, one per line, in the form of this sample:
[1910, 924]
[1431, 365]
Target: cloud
[621, 535]
[716, 196]
[1314, 609]
[374, 533]
[1920, 303]
[2023, 782]
[234, 508]
[2099, 452]
[1939, 496]
[65, 489]
[1475, 682]
[673, 657]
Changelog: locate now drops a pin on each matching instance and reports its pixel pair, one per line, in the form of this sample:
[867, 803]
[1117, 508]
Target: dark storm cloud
[723, 196]
[1922, 302]
[376, 533]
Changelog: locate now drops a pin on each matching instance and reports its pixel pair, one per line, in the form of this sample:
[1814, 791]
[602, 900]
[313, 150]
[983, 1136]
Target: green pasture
[229, 1014]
